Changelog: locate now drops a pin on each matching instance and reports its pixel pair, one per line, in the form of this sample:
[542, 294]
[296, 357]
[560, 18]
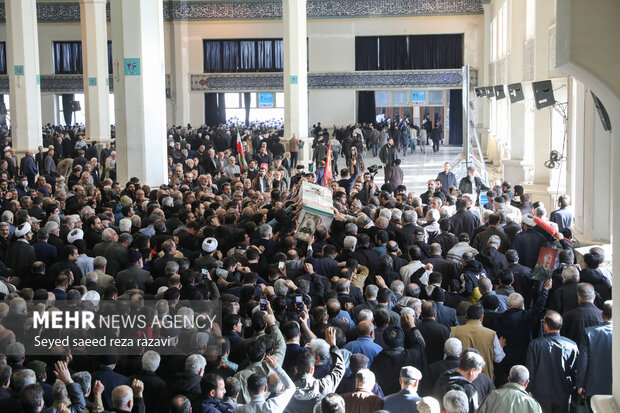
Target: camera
[373, 169]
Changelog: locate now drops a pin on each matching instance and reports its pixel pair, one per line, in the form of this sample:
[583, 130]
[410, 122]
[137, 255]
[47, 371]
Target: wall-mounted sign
[132, 67]
[418, 97]
[265, 100]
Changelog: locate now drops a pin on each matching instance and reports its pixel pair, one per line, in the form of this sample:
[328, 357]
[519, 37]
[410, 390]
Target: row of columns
[139, 79]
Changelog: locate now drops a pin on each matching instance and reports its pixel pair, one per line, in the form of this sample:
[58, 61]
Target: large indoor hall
[309, 206]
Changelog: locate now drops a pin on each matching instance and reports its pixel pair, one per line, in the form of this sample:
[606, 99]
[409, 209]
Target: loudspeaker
[515, 91]
[168, 94]
[499, 92]
[543, 94]
[75, 106]
[479, 92]
[602, 112]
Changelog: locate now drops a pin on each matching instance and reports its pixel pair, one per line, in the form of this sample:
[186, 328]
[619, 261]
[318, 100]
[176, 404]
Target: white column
[139, 90]
[180, 69]
[513, 167]
[96, 80]
[296, 73]
[23, 70]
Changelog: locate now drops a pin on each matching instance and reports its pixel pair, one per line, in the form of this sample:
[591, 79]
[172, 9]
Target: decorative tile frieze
[348, 80]
[69, 12]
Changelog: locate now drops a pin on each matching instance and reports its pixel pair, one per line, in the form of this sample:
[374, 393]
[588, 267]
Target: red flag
[242, 163]
[328, 166]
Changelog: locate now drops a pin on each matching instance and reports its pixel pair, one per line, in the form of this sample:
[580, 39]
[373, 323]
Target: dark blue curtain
[366, 53]
[230, 56]
[418, 52]
[456, 117]
[247, 100]
[211, 112]
[247, 56]
[2, 111]
[212, 56]
[67, 110]
[67, 57]
[393, 53]
[3, 58]
[221, 108]
[226, 56]
[110, 64]
[264, 56]
[436, 51]
[366, 110]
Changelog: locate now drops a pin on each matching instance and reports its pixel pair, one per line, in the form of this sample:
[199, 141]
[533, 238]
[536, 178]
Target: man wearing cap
[455, 254]
[21, 255]
[407, 398]
[471, 184]
[528, 242]
[134, 273]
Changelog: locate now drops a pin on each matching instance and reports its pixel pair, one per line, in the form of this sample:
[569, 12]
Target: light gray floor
[418, 167]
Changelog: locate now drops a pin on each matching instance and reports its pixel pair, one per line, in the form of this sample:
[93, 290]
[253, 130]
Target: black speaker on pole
[602, 112]
[543, 94]
[489, 91]
[479, 92]
[75, 106]
[515, 92]
[499, 92]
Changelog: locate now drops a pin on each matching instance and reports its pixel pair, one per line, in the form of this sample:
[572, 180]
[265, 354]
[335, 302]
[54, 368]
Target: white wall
[331, 49]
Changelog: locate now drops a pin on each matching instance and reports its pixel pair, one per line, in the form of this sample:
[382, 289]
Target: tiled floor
[418, 167]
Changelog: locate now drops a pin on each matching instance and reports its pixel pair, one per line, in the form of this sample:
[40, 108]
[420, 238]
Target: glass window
[530, 19]
[232, 100]
[435, 97]
[401, 98]
[382, 99]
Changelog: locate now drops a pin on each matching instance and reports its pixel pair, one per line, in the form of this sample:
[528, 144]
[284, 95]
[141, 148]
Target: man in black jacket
[552, 363]
[586, 315]
[155, 389]
[463, 220]
[387, 363]
[470, 367]
[471, 184]
[433, 332]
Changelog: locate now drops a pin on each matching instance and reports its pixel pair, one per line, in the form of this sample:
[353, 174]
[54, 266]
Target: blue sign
[19, 70]
[293, 80]
[38, 79]
[418, 96]
[265, 100]
[132, 67]
[92, 81]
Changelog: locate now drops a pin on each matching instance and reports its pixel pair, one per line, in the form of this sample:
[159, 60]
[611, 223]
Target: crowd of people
[407, 301]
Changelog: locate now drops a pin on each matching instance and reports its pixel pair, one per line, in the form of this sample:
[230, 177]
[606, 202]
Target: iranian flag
[328, 166]
[242, 163]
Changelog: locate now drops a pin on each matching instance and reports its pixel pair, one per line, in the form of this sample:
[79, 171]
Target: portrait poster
[545, 264]
[308, 221]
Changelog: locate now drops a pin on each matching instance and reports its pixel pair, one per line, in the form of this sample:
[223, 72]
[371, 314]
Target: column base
[514, 171]
[305, 153]
[543, 193]
[604, 404]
